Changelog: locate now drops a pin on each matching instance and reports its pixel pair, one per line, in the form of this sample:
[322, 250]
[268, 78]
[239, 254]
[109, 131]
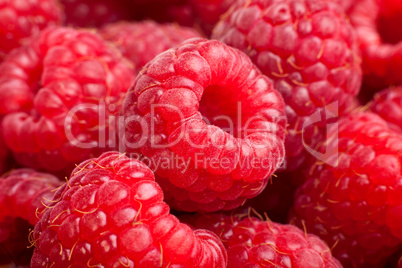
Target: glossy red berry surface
[142, 41]
[254, 243]
[111, 213]
[59, 95]
[309, 49]
[388, 105]
[24, 193]
[377, 23]
[352, 201]
[208, 122]
[20, 19]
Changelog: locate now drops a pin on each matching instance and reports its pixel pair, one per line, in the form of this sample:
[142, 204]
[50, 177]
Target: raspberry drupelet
[140, 42]
[208, 122]
[20, 20]
[309, 49]
[352, 199]
[111, 213]
[378, 27]
[59, 96]
[254, 243]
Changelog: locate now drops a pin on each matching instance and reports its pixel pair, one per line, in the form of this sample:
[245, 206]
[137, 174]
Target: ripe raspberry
[208, 12]
[142, 41]
[352, 201]
[254, 243]
[388, 105]
[95, 13]
[377, 24]
[21, 19]
[173, 117]
[24, 194]
[60, 93]
[309, 49]
[111, 214]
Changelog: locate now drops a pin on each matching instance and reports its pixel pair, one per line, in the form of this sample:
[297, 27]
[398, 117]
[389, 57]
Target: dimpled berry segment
[142, 41]
[309, 49]
[95, 13]
[252, 242]
[110, 213]
[209, 124]
[377, 24]
[388, 105]
[24, 193]
[352, 201]
[60, 93]
[21, 19]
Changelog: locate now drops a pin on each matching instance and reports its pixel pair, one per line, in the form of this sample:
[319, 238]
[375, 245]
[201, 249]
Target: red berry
[59, 94]
[111, 213]
[254, 243]
[173, 117]
[24, 193]
[388, 105]
[352, 201]
[95, 13]
[377, 24]
[21, 19]
[309, 49]
[142, 41]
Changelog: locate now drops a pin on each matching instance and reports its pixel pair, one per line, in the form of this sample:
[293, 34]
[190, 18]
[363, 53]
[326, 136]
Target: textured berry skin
[377, 23]
[388, 105]
[24, 193]
[142, 41]
[23, 196]
[59, 94]
[353, 202]
[95, 13]
[309, 49]
[201, 166]
[254, 243]
[110, 213]
[21, 19]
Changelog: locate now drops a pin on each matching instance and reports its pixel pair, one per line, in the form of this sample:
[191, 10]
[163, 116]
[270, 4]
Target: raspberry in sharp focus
[60, 94]
[208, 122]
[21, 19]
[142, 41]
[95, 13]
[388, 105]
[254, 243]
[110, 213]
[379, 31]
[352, 199]
[309, 49]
